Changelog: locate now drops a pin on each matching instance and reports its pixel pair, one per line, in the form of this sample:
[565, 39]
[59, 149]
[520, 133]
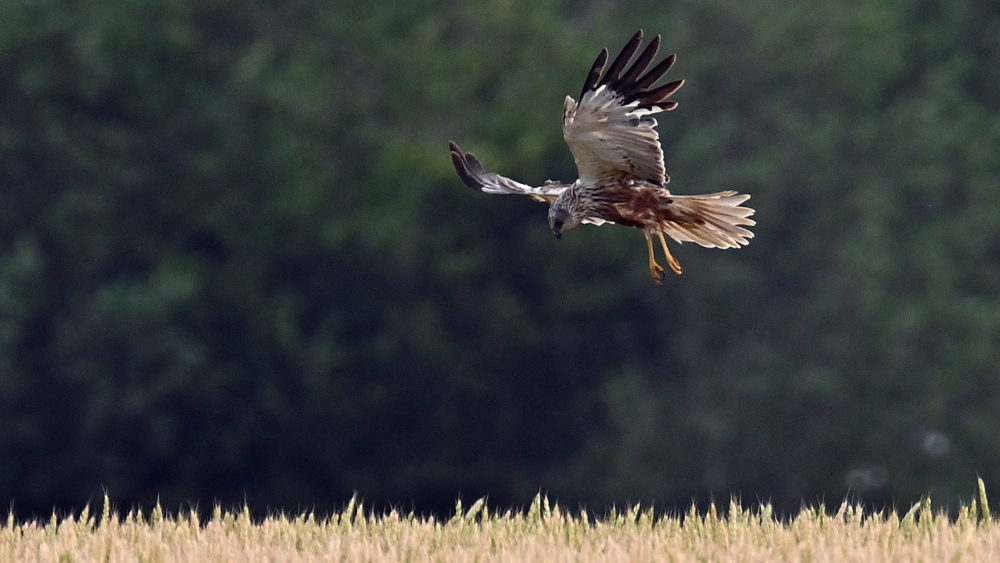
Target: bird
[622, 177]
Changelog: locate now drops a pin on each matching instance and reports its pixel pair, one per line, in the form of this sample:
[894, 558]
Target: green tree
[235, 261]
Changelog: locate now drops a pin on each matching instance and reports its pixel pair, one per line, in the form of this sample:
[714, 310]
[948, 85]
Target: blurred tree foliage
[235, 261]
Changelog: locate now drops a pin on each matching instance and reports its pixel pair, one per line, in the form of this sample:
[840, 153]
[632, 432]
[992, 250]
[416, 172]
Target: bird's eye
[559, 225]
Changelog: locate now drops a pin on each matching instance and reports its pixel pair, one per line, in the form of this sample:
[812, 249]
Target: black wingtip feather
[656, 72]
[467, 165]
[632, 82]
[640, 64]
[628, 51]
[657, 95]
[595, 72]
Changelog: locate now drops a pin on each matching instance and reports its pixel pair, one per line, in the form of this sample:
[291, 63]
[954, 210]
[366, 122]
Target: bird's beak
[558, 235]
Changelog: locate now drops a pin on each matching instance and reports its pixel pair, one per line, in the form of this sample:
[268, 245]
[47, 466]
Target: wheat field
[543, 532]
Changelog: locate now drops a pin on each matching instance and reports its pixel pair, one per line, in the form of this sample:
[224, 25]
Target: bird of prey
[613, 138]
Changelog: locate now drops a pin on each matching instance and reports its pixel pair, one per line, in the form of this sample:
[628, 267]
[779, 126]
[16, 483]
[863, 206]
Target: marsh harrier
[613, 138]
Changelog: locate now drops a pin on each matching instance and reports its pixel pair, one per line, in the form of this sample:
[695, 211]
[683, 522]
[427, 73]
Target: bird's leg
[654, 268]
[674, 264]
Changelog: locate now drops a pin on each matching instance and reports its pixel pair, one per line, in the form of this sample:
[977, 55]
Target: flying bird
[613, 138]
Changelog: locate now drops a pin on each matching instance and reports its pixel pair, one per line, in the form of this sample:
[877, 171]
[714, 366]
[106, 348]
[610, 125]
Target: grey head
[563, 214]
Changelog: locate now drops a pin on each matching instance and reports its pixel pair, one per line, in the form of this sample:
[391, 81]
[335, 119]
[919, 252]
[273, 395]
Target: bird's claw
[674, 265]
[657, 272]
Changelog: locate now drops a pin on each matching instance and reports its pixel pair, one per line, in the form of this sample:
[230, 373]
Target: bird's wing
[476, 177]
[610, 131]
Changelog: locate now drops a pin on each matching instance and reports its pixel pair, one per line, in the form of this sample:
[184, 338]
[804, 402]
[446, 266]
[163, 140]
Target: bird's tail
[711, 220]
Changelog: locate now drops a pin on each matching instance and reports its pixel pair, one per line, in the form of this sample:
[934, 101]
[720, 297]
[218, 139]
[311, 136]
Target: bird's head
[561, 216]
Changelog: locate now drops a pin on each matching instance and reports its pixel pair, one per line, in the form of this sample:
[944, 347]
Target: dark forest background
[236, 263]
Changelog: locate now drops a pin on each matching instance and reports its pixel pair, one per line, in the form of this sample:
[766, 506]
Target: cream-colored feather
[611, 140]
[711, 220]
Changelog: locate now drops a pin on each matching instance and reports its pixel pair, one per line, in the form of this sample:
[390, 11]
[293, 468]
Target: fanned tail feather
[712, 220]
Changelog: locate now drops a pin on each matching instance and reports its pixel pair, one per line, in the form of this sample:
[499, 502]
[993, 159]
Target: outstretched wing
[610, 131]
[476, 177]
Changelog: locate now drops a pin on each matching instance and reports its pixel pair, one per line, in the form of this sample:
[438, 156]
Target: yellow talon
[674, 264]
[655, 269]
[657, 272]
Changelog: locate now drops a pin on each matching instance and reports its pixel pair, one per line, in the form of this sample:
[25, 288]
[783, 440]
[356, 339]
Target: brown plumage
[617, 152]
